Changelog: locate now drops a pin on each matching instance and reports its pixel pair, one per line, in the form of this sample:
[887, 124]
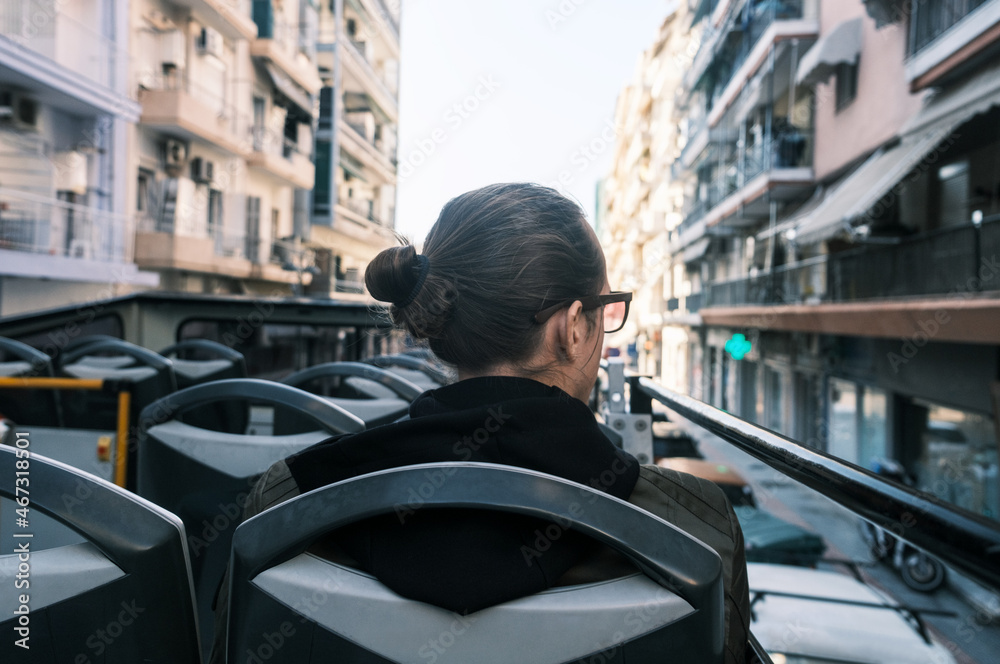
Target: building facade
[354, 199]
[66, 106]
[836, 261]
[213, 146]
[223, 148]
[641, 202]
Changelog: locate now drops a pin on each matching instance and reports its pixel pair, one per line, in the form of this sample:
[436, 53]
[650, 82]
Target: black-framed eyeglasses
[615, 309]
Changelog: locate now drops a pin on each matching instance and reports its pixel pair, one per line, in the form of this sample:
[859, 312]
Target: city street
[971, 635]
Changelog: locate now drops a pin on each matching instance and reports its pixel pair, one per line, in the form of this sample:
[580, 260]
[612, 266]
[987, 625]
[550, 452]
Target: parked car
[766, 537]
[804, 616]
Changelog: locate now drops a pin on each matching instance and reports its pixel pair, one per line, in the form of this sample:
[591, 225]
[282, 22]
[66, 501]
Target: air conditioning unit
[210, 42]
[174, 153]
[18, 110]
[202, 170]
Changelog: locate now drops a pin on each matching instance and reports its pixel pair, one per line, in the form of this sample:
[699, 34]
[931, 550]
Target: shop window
[842, 439]
[958, 459]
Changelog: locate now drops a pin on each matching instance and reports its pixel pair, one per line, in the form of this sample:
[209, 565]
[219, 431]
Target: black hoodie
[466, 560]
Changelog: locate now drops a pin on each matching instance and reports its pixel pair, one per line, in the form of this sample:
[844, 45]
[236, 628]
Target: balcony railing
[790, 148]
[41, 225]
[226, 242]
[387, 87]
[929, 19]
[933, 264]
[215, 99]
[753, 22]
[362, 207]
[50, 32]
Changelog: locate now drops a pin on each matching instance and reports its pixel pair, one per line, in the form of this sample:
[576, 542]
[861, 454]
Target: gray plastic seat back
[151, 377]
[204, 476]
[392, 401]
[675, 610]
[412, 363]
[24, 406]
[198, 361]
[130, 576]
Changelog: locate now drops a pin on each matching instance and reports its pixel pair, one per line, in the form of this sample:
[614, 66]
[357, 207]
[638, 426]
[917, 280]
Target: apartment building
[65, 108]
[842, 213]
[640, 202]
[222, 158]
[354, 198]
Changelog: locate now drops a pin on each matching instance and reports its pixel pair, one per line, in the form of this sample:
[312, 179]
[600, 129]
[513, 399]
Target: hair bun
[393, 274]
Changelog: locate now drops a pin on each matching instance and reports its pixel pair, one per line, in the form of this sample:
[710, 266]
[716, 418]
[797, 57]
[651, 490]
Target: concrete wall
[883, 102]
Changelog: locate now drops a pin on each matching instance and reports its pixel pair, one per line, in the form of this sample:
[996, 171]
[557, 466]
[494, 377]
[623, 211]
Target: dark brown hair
[496, 256]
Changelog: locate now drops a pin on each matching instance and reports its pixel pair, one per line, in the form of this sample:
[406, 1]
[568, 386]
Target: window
[143, 191]
[847, 84]
[215, 219]
[252, 240]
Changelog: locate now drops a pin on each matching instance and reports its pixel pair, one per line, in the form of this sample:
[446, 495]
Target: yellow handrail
[124, 404]
[53, 383]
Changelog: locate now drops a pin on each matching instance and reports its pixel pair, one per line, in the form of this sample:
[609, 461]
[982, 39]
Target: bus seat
[288, 605]
[152, 376]
[418, 371]
[198, 361]
[373, 411]
[130, 577]
[24, 406]
[205, 476]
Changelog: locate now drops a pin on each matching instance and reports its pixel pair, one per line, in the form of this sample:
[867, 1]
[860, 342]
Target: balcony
[944, 34]
[230, 17]
[744, 45]
[367, 152]
[284, 45]
[281, 158]
[930, 265]
[219, 251]
[50, 238]
[358, 67]
[780, 166]
[69, 58]
[174, 105]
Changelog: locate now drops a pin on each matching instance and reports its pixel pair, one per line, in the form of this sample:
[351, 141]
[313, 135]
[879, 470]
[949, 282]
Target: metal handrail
[964, 540]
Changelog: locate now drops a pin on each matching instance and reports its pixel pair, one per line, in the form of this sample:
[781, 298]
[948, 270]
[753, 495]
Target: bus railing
[959, 538]
[123, 389]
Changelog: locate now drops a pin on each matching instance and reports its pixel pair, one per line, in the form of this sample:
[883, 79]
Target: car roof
[824, 620]
[719, 473]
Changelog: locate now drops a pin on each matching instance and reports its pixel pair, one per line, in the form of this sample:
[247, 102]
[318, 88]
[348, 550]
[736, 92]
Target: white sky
[547, 74]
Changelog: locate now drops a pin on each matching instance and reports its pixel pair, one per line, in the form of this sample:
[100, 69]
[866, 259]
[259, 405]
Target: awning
[352, 166]
[866, 186]
[840, 45]
[290, 89]
[361, 102]
[696, 250]
[920, 139]
[955, 105]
